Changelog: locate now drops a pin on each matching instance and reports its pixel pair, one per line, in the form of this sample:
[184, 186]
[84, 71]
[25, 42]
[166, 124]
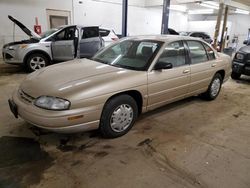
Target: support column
[124, 17]
[223, 39]
[165, 16]
[217, 27]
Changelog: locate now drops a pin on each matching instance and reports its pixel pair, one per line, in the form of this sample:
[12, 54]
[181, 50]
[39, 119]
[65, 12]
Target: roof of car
[164, 38]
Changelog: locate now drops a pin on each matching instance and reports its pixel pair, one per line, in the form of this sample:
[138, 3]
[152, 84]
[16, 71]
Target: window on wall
[174, 53]
[198, 53]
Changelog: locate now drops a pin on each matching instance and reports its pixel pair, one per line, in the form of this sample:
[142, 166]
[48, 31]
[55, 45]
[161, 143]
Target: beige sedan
[130, 77]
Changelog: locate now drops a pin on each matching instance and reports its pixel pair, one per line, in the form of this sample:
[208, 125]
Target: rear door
[165, 86]
[62, 45]
[90, 41]
[203, 66]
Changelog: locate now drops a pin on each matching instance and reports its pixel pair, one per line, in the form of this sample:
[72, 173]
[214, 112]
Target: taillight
[115, 39]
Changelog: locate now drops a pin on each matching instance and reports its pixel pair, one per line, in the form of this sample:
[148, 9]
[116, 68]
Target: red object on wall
[38, 29]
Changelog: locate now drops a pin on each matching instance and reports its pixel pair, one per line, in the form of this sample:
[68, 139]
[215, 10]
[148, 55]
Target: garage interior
[189, 143]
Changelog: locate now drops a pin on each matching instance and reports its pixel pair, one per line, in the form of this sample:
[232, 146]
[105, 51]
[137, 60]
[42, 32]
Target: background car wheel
[36, 61]
[214, 88]
[118, 116]
[235, 75]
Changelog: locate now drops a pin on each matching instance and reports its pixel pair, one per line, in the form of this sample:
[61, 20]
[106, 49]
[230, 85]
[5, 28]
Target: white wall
[140, 20]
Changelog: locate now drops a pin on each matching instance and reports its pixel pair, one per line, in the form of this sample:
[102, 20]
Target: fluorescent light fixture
[209, 4]
[240, 11]
[180, 8]
[201, 11]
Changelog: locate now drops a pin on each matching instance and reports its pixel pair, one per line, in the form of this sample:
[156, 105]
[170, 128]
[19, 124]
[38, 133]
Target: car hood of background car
[26, 30]
[81, 75]
[245, 49]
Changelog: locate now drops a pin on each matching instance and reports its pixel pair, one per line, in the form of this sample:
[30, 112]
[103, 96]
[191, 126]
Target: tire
[235, 75]
[112, 113]
[214, 88]
[36, 61]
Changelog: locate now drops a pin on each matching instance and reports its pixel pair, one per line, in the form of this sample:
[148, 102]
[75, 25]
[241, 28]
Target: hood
[26, 30]
[78, 76]
[245, 49]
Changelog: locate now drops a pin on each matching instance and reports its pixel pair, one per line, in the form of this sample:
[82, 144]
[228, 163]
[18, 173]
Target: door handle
[186, 71]
[213, 65]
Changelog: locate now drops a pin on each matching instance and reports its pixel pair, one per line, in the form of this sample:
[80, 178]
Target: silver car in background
[55, 45]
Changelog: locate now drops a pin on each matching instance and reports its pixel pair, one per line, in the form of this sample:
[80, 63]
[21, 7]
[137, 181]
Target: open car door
[64, 45]
[90, 42]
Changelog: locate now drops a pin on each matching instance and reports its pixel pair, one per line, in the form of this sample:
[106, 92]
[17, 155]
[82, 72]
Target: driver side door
[168, 85]
[62, 46]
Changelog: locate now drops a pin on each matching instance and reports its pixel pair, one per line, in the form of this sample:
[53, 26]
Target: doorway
[56, 18]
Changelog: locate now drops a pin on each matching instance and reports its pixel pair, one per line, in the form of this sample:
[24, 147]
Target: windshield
[130, 54]
[48, 33]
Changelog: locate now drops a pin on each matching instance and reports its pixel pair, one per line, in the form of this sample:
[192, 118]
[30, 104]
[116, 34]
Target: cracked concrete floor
[191, 143]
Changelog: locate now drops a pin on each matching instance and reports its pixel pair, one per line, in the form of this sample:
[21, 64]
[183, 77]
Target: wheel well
[34, 52]
[222, 73]
[136, 95]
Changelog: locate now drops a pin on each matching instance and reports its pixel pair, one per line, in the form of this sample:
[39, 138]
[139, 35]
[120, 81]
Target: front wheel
[36, 61]
[214, 88]
[235, 75]
[118, 116]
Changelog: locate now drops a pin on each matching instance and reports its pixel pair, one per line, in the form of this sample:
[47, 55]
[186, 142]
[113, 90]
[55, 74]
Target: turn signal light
[75, 117]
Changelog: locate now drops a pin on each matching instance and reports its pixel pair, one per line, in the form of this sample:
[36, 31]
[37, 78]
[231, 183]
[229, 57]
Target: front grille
[25, 97]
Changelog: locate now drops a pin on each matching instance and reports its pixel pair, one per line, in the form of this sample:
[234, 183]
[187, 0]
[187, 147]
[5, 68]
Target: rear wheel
[235, 75]
[118, 116]
[36, 61]
[214, 88]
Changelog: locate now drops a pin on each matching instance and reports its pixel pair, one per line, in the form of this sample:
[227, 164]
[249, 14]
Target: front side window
[130, 54]
[66, 34]
[198, 53]
[174, 53]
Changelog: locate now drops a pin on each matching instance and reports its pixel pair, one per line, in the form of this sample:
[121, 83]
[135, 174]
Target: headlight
[52, 103]
[239, 56]
[10, 48]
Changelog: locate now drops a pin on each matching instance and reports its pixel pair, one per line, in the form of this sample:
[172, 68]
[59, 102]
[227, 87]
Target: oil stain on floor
[22, 162]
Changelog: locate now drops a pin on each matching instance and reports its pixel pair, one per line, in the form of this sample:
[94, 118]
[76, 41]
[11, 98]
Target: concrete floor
[191, 143]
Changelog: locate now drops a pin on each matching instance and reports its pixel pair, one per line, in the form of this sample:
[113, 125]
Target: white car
[108, 36]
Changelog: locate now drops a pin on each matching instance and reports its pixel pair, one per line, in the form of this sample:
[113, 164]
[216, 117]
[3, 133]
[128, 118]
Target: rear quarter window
[104, 32]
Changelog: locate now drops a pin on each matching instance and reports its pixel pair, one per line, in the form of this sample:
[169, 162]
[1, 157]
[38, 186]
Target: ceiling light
[209, 4]
[201, 11]
[240, 11]
[180, 8]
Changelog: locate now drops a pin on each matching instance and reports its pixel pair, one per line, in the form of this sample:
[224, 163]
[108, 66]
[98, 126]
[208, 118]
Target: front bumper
[11, 56]
[241, 68]
[57, 121]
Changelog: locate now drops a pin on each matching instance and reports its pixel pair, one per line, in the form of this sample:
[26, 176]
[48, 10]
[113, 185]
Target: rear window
[104, 32]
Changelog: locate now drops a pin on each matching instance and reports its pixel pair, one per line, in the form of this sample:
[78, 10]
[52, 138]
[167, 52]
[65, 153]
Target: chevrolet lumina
[109, 91]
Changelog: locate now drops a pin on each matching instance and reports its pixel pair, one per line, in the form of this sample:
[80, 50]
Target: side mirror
[163, 65]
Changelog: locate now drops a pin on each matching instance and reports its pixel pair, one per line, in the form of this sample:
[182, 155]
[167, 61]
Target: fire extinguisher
[37, 27]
